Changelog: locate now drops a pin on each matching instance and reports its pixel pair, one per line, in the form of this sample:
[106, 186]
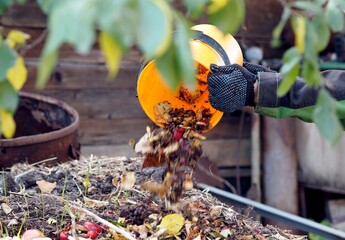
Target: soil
[58, 199]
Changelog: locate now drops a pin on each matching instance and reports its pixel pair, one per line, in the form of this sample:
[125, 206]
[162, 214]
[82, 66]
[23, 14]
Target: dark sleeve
[301, 99]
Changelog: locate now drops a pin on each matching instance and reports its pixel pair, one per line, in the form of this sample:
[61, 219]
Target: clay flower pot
[46, 129]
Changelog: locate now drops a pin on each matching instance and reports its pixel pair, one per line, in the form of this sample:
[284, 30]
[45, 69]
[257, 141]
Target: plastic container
[209, 46]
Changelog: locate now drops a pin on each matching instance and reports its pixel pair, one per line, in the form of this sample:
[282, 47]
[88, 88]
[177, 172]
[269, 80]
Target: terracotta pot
[47, 129]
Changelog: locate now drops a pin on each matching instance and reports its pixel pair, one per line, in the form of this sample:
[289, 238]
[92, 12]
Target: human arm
[299, 102]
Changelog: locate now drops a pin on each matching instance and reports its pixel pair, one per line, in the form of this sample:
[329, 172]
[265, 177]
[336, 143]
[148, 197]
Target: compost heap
[175, 146]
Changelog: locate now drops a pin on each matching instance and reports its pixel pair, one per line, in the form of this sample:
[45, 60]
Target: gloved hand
[231, 87]
[254, 68]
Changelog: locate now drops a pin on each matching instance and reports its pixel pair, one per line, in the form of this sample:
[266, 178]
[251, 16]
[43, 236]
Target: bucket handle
[214, 44]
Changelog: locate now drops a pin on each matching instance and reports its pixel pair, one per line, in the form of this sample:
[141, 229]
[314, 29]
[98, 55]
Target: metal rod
[276, 214]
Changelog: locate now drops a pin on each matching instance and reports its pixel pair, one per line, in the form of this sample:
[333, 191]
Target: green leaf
[184, 54]
[154, 27]
[290, 70]
[7, 59]
[277, 31]
[72, 22]
[112, 53]
[322, 31]
[120, 13]
[4, 5]
[309, 6]
[229, 17]
[334, 16]
[311, 72]
[326, 118]
[168, 67]
[195, 7]
[45, 67]
[8, 97]
[46, 5]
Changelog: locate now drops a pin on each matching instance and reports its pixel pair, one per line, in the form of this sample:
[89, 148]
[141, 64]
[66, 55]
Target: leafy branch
[313, 22]
[119, 26]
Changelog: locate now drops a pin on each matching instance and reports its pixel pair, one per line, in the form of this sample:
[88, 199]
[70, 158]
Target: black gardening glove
[254, 68]
[230, 87]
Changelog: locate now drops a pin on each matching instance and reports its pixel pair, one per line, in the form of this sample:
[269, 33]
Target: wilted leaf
[17, 74]
[16, 37]
[8, 125]
[128, 180]
[326, 118]
[172, 223]
[112, 52]
[154, 27]
[7, 59]
[46, 187]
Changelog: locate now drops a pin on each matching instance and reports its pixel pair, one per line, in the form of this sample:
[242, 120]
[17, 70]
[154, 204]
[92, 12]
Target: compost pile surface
[148, 197]
[104, 194]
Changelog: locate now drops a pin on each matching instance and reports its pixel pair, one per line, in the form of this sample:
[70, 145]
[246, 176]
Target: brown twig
[105, 222]
[34, 43]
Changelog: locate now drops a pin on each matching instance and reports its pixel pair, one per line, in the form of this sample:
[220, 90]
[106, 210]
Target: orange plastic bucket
[210, 46]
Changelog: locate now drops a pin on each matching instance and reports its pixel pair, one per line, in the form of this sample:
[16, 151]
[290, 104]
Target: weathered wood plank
[85, 76]
[228, 152]
[29, 15]
[119, 131]
[100, 103]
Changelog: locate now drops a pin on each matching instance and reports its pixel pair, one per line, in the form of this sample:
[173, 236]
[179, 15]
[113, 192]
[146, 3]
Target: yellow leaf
[17, 74]
[112, 52]
[216, 5]
[172, 223]
[8, 125]
[299, 26]
[16, 37]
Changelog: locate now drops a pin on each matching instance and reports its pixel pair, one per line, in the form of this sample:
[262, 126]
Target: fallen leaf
[6, 208]
[46, 187]
[172, 223]
[128, 180]
[94, 203]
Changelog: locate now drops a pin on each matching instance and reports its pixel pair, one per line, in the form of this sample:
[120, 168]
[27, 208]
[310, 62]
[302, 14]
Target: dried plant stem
[105, 222]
